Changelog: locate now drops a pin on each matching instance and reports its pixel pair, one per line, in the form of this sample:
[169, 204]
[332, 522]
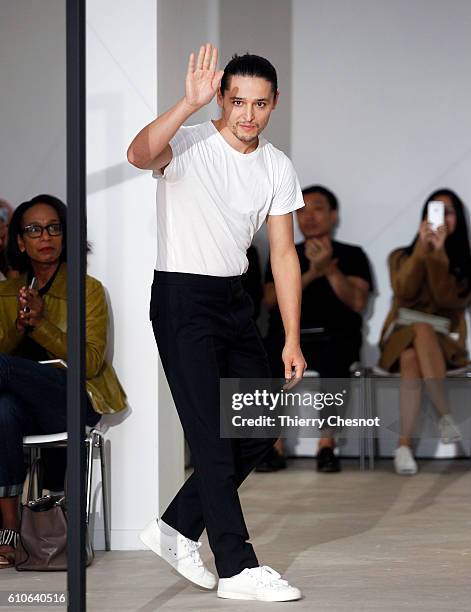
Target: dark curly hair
[16, 259]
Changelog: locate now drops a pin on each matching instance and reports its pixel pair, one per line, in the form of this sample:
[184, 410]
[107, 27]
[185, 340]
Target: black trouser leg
[204, 332]
[185, 512]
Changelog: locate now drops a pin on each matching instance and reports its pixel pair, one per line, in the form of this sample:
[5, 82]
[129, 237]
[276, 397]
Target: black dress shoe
[273, 462]
[327, 460]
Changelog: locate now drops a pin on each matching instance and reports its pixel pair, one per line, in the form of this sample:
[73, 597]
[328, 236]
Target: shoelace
[192, 548]
[266, 576]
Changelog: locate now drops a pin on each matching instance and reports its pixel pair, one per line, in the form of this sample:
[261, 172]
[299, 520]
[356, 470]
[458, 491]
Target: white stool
[93, 439]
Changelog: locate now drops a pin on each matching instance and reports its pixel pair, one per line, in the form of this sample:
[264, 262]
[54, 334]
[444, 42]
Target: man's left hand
[293, 358]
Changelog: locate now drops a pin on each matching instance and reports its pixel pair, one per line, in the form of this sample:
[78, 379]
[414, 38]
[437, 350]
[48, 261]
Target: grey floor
[352, 541]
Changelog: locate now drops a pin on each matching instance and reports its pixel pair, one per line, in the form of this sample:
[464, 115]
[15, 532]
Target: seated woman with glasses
[33, 328]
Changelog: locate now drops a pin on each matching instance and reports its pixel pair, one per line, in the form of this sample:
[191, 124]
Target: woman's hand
[437, 239]
[30, 308]
[202, 78]
[425, 234]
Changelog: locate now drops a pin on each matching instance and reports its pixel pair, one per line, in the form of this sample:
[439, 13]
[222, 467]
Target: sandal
[8, 537]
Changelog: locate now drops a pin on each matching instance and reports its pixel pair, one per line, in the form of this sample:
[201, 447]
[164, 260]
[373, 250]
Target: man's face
[316, 219]
[246, 106]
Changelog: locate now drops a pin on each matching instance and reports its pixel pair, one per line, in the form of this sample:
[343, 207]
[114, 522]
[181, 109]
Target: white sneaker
[449, 431]
[404, 462]
[180, 552]
[260, 583]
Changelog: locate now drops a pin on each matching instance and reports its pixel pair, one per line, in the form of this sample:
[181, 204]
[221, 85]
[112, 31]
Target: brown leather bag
[42, 542]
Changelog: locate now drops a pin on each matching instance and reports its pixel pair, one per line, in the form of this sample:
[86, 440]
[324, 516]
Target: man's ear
[219, 98]
[276, 98]
[335, 217]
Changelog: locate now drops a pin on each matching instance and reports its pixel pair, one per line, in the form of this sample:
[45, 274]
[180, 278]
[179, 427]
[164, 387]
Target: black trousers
[204, 331]
[32, 401]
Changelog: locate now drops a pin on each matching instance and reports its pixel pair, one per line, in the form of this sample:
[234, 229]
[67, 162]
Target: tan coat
[103, 387]
[422, 282]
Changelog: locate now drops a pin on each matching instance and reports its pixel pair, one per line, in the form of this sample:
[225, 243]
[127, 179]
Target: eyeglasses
[36, 231]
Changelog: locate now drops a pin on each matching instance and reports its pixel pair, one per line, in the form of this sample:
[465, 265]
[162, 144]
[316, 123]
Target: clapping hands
[30, 308]
[319, 253]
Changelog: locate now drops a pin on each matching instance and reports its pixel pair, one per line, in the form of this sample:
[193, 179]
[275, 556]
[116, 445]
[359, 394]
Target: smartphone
[291, 382]
[33, 285]
[436, 214]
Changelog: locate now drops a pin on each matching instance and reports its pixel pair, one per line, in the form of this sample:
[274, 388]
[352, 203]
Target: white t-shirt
[211, 200]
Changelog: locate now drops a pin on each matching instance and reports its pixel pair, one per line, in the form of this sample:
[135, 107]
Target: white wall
[32, 100]
[380, 114]
[183, 26]
[121, 98]
[262, 27]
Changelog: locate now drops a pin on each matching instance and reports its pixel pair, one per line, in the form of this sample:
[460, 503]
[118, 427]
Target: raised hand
[202, 78]
[437, 238]
[426, 234]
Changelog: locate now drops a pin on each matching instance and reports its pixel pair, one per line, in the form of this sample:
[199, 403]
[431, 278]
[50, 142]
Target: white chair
[365, 444]
[93, 439]
[377, 372]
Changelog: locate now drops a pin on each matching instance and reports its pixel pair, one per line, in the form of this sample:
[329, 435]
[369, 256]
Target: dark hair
[331, 197]
[249, 65]
[457, 243]
[5, 214]
[16, 259]
[3, 263]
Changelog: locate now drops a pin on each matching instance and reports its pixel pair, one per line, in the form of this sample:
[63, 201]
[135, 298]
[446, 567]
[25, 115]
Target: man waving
[217, 183]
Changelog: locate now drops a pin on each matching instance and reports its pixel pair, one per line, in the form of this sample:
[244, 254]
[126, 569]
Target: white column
[121, 98]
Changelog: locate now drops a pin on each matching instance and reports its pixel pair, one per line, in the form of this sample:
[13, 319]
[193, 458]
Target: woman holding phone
[33, 328]
[424, 334]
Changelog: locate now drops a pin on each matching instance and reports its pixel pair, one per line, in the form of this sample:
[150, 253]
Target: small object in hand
[290, 382]
[436, 214]
[33, 285]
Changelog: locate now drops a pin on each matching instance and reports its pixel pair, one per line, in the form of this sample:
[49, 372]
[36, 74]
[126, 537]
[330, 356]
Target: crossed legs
[424, 360]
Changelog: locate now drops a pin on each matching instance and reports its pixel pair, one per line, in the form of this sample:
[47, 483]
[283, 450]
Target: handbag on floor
[42, 540]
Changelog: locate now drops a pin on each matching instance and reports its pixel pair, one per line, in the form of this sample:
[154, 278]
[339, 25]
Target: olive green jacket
[103, 387]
